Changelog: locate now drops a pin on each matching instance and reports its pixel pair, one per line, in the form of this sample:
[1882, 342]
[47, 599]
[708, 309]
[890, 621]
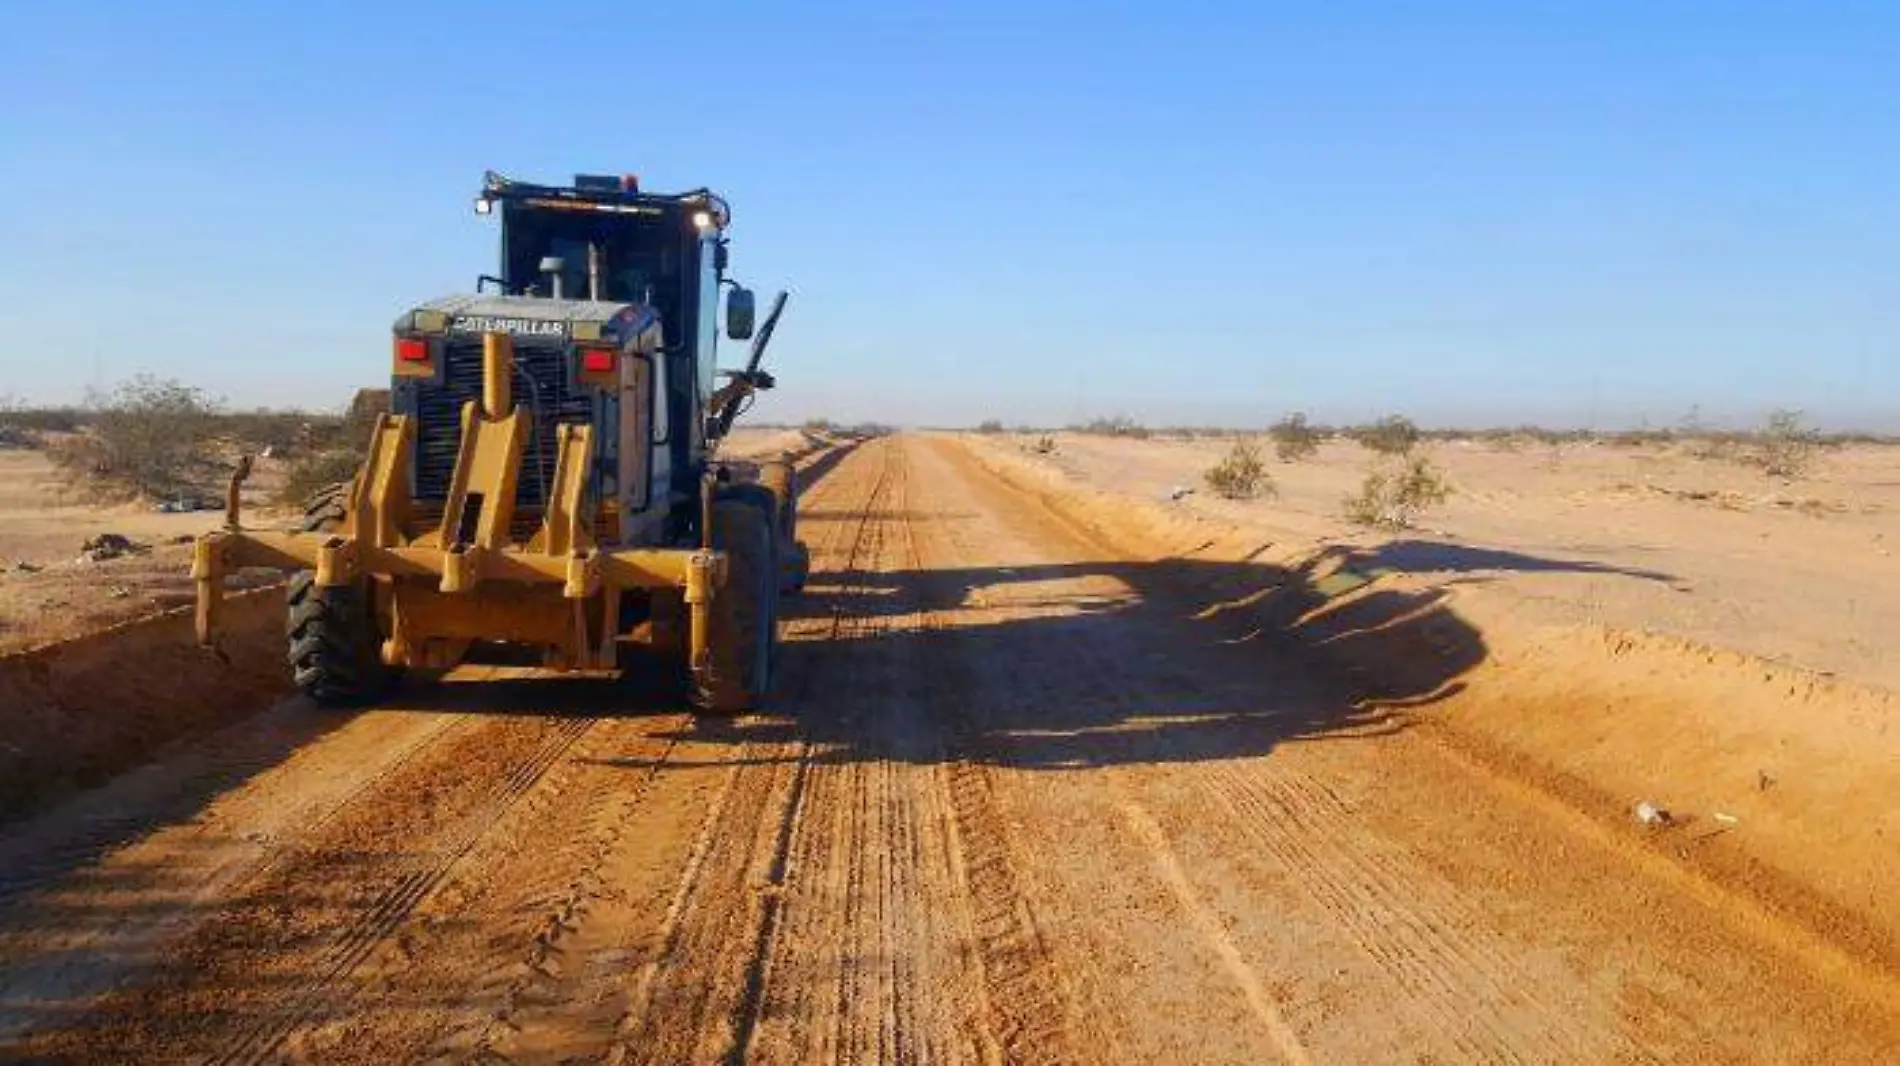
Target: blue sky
[1185, 212]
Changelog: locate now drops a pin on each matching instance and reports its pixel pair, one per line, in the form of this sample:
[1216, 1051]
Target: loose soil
[1040, 785]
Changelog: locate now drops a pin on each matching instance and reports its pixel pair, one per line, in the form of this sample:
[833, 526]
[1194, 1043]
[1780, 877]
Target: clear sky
[1186, 212]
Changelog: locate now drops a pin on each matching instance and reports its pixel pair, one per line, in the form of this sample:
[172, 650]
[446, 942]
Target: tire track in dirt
[701, 996]
[797, 845]
[282, 949]
[61, 948]
[31, 859]
[859, 939]
[1211, 930]
[1415, 928]
[321, 993]
[492, 944]
[904, 934]
[1025, 1002]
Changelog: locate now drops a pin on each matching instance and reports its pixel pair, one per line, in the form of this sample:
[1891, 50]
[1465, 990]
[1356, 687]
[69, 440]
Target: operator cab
[604, 239]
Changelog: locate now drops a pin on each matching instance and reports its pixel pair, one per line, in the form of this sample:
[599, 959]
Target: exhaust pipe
[554, 267]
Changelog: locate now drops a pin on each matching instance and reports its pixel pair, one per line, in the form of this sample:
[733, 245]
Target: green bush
[1786, 446]
[1393, 498]
[149, 436]
[1391, 435]
[1240, 475]
[1118, 426]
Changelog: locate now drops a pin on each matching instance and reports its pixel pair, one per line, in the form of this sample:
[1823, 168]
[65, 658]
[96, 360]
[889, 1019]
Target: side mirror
[739, 313]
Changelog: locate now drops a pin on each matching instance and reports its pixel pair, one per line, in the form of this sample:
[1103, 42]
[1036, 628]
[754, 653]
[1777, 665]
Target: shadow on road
[1075, 665]
[1429, 556]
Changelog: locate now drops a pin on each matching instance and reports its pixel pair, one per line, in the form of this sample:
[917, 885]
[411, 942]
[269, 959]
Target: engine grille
[543, 386]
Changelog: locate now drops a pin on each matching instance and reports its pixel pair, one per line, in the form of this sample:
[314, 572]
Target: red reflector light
[597, 360]
[412, 350]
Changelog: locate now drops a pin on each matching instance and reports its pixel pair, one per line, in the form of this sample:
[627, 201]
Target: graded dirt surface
[1027, 794]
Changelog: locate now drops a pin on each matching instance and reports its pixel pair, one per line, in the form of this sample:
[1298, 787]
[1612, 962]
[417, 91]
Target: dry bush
[1045, 445]
[990, 425]
[1785, 446]
[1241, 475]
[13, 435]
[40, 420]
[311, 472]
[1394, 497]
[280, 432]
[149, 436]
[1293, 438]
[26, 427]
[1118, 426]
[1391, 435]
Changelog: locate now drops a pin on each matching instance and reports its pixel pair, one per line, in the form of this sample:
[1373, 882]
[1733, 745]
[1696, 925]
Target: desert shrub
[1240, 475]
[149, 436]
[24, 427]
[1393, 497]
[1391, 435]
[1117, 426]
[1785, 446]
[263, 429]
[817, 425]
[1045, 445]
[990, 425]
[1293, 438]
[312, 471]
[38, 420]
[11, 434]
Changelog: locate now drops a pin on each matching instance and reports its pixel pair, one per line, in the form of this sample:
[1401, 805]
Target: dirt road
[1022, 800]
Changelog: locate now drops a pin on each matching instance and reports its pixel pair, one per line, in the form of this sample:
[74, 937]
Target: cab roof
[594, 192]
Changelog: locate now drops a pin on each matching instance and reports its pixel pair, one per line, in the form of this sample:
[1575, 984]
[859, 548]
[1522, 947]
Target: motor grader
[546, 482]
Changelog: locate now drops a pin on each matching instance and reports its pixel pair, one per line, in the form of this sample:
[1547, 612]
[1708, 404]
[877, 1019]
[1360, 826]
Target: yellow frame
[375, 544]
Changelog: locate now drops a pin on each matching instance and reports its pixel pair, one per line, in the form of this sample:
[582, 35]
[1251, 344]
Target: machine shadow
[1088, 664]
[1426, 556]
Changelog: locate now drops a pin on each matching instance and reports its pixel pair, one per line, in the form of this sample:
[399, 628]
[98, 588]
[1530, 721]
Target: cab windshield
[640, 259]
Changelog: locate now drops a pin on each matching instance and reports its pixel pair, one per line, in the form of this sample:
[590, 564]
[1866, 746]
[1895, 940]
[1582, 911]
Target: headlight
[703, 219]
[483, 205]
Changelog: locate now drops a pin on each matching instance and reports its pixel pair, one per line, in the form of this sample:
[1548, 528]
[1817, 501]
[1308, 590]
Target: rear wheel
[335, 649]
[744, 631]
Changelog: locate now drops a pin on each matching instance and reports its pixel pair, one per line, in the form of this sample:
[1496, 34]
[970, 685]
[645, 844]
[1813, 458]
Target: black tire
[335, 650]
[745, 612]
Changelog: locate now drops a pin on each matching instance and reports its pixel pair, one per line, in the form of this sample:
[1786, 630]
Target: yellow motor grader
[546, 479]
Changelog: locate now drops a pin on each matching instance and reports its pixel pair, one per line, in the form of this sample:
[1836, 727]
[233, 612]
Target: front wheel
[335, 650]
